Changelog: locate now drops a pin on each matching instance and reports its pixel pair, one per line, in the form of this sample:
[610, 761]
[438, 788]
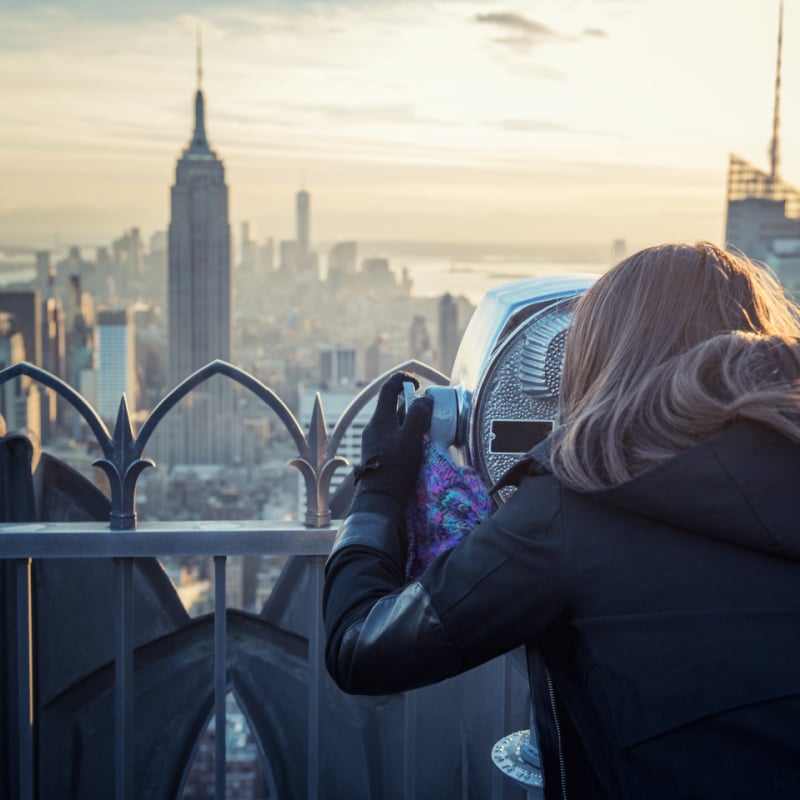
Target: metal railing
[123, 540]
[24, 542]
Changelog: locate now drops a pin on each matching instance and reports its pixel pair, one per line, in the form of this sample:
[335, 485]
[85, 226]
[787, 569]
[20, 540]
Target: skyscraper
[763, 213]
[303, 227]
[116, 362]
[199, 291]
[20, 399]
[448, 332]
[342, 258]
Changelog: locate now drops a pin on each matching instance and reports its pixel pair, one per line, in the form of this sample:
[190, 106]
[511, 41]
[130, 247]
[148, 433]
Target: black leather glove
[391, 449]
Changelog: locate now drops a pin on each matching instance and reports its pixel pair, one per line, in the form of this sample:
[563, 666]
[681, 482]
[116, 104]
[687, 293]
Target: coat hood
[740, 486]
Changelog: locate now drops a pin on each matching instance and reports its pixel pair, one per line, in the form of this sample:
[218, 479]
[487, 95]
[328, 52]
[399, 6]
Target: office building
[44, 270]
[762, 209]
[115, 363]
[448, 333]
[20, 399]
[342, 260]
[54, 360]
[248, 249]
[289, 256]
[338, 366]
[303, 223]
[25, 310]
[334, 404]
[377, 274]
[199, 296]
[379, 356]
[419, 341]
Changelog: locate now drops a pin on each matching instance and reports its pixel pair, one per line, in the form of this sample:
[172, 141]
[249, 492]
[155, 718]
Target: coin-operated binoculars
[503, 393]
[501, 402]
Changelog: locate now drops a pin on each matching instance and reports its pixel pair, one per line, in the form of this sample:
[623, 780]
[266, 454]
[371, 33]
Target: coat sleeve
[499, 588]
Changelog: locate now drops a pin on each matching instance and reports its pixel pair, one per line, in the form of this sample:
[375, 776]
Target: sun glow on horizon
[446, 120]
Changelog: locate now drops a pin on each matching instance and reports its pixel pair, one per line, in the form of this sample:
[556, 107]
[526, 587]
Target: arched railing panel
[122, 460]
[74, 398]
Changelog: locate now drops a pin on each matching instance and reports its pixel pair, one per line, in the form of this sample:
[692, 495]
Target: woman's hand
[391, 445]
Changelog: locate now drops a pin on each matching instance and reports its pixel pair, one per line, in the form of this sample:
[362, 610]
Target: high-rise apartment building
[199, 295]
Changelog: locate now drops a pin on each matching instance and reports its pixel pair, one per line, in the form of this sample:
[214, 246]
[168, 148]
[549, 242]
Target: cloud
[518, 32]
[521, 125]
[517, 23]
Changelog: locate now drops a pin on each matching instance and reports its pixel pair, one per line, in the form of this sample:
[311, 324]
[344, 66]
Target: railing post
[409, 744]
[315, 668]
[124, 758]
[508, 723]
[24, 678]
[220, 676]
[501, 785]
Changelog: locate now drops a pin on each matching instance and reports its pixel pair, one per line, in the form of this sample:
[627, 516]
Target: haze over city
[534, 123]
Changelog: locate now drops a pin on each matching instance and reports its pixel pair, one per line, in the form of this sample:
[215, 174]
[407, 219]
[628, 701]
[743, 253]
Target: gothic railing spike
[122, 470]
[317, 468]
[318, 432]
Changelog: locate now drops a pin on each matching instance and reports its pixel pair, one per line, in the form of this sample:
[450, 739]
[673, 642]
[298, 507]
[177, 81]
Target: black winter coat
[666, 611]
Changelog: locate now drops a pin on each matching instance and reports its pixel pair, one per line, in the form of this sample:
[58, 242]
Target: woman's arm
[381, 637]
[499, 588]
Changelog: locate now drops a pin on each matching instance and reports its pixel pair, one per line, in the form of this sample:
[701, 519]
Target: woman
[649, 558]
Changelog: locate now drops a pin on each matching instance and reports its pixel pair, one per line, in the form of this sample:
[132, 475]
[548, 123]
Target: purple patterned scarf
[448, 501]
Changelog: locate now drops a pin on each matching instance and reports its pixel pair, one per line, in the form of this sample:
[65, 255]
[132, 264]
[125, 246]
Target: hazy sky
[527, 122]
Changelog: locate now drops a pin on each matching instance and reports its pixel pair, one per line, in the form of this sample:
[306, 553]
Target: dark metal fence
[122, 540]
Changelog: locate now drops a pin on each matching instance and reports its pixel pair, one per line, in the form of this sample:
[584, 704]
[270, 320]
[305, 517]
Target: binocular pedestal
[518, 758]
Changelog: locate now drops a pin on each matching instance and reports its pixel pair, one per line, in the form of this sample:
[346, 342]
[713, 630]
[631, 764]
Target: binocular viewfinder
[503, 393]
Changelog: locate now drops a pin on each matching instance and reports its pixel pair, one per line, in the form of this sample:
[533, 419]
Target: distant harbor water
[436, 268]
[432, 274]
[16, 273]
[434, 277]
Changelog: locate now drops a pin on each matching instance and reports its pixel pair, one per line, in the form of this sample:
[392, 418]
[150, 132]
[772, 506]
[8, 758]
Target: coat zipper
[551, 694]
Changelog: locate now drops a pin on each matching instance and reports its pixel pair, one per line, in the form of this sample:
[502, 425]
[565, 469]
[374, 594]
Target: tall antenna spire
[775, 144]
[199, 141]
[199, 57]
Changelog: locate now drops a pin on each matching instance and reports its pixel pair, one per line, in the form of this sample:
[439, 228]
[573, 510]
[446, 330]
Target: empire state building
[199, 296]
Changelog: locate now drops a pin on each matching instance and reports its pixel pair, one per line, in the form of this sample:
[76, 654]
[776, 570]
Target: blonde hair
[668, 348]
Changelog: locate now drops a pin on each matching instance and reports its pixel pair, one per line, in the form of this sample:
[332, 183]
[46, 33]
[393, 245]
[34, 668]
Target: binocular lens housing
[448, 421]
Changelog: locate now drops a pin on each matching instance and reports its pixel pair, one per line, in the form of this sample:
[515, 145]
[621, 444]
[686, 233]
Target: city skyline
[528, 123]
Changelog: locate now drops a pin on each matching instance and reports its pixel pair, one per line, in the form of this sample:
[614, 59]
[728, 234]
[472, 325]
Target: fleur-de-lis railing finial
[317, 467]
[121, 461]
[122, 469]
